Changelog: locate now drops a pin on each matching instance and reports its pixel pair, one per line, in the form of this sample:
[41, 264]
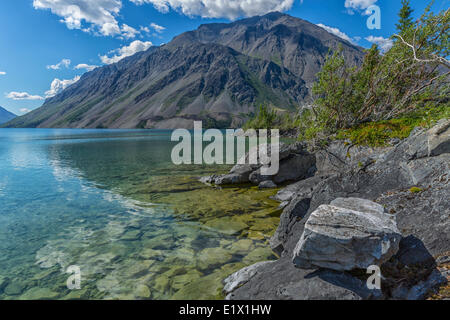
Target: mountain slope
[293, 43]
[219, 74]
[5, 115]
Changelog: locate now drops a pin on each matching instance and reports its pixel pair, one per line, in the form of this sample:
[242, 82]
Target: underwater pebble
[14, 289]
[142, 291]
[210, 257]
[39, 294]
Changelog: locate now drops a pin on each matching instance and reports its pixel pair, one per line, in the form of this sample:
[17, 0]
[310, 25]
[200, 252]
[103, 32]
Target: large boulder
[340, 156]
[295, 211]
[439, 138]
[303, 187]
[294, 163]
[347, 234]
[242, 276]
[295, 167]
[424, 211]
[423, 143]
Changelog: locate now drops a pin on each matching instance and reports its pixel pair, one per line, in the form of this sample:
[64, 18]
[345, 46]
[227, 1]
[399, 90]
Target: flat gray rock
[242, 276]
[280, 280]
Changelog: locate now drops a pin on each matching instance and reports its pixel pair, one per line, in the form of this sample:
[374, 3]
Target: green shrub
[377, 134]
[390, 92]
[269, 118]
[415, 190]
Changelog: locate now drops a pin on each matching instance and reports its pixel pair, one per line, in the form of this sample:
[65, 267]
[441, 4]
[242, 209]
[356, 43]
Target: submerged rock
[142, 291]
[14, 288]
[39, 294]
[241, 246]
[227, 225]
[348, 234]
[204, 288]
[211, 257]
[3, 283]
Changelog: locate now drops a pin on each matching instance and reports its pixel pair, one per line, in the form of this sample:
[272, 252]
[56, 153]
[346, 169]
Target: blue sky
[45, 45]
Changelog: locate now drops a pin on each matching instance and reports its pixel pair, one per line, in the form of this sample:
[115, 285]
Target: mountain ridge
[6, 115]
[218, 73]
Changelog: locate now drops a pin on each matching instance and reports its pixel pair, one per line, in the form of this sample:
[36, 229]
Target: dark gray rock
[291, 169]
[295, 163]
[421, 290]
[384, 176]
[342, 156]
[282, 281]
[294, 168]
[241, 277]
[303, 188]
[425, 214]
[244, 169]
[256, 177]
[412, 252]
[231, 179]
[294, 213]
[423, 143]
[439, 139]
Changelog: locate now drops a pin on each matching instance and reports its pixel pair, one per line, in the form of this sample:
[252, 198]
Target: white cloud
[359, 4]
[58, 85]
[129, 32]
[231, 9]
[64, 63]
[22, 96]
[336, 32]
[383, 43]
[126, 51]
[157, 28]
[100, 15]
[2, 73]
[85, 66]
[24, 111]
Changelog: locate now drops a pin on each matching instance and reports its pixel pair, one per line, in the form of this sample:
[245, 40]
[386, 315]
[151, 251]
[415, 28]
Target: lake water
[112, 203]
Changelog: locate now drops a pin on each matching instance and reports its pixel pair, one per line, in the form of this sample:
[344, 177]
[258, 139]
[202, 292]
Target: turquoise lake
[112, 203]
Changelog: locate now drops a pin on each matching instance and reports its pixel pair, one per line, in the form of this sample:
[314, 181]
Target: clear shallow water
[112, 203]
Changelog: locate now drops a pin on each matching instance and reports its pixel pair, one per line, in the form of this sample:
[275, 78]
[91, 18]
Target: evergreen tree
[405, 22]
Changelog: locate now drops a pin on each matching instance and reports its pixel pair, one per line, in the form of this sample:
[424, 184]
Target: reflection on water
[112, 203]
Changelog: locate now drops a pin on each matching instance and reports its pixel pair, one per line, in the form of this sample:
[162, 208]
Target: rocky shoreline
[348, 207]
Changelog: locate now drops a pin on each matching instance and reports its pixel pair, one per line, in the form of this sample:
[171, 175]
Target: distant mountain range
[5, 115]
[218, 73]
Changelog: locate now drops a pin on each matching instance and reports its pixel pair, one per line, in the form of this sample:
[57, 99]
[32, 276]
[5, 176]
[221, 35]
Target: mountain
[5, 115]
[218, 73]
[292, 43]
